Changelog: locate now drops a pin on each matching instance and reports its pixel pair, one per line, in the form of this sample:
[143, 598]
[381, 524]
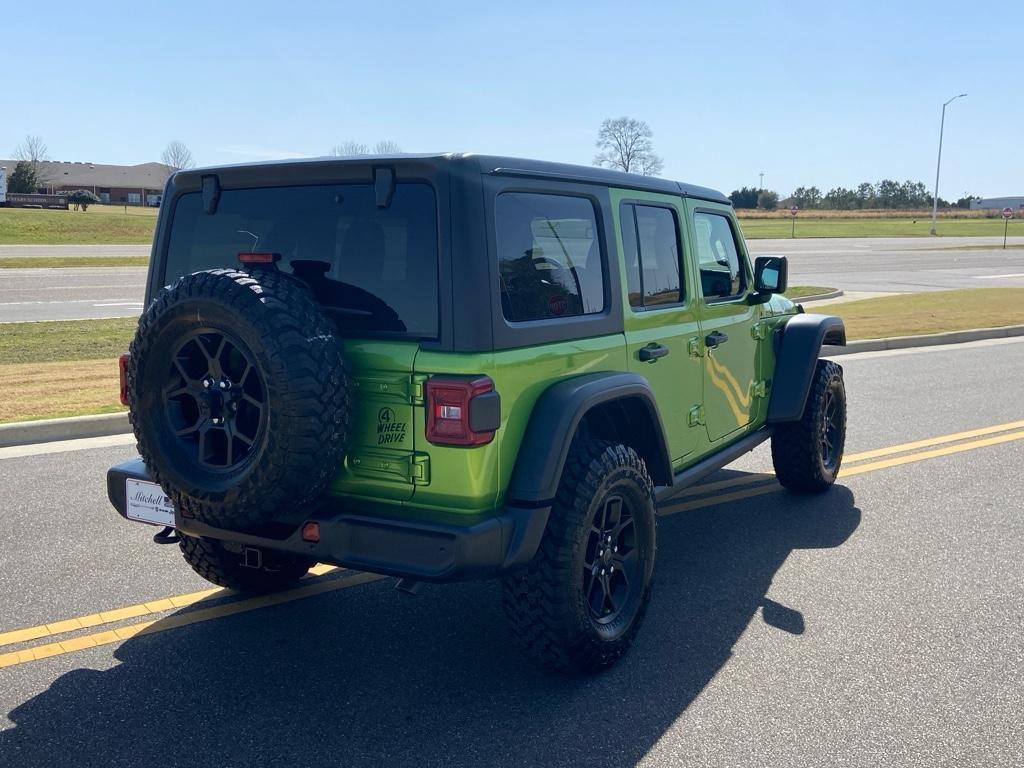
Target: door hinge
[416, 389]
[694, 348]
[761, 388]
[419, 469]
[696, 416]
[413, 468]
[759, 330]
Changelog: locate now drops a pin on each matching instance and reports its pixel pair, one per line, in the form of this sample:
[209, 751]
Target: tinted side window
[375, 269]
[652, 255]
[549, 256]
[721, 270]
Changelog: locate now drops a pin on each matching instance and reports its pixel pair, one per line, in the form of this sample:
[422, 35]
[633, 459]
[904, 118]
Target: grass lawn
[52, 390]
[69, 368]
[931, 312]
[65, 340]
[799, 291]
[808, 225]
[103, 224]
[64, 368]
[37, 262]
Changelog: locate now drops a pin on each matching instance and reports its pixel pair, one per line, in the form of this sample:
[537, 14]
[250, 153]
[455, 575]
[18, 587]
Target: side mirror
[771, 274]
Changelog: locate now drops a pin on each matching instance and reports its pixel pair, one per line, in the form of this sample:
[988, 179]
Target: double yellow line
[705, 495]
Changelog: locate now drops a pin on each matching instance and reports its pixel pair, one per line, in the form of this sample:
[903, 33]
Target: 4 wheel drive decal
[389, 428]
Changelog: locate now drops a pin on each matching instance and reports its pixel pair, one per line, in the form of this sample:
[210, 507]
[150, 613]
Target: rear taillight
[122, 367]
[462, 411]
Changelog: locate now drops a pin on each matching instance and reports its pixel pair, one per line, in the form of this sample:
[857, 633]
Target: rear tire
[807, 453]
[224, 567]
[578, 605]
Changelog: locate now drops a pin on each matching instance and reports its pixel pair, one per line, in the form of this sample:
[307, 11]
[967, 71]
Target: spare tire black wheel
[238, 395]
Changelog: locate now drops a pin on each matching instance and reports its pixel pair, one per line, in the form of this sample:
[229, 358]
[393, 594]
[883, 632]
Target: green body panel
[473, 480]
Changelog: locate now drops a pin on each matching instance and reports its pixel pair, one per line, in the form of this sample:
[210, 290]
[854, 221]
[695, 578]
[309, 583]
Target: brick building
[115, 184]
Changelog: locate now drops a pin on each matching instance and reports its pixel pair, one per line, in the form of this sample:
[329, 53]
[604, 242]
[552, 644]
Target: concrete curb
[818, 297]
[77, 427]
[74, 428]
[929, 340]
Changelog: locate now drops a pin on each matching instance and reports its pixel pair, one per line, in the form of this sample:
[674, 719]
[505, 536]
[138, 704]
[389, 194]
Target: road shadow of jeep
[368, 676]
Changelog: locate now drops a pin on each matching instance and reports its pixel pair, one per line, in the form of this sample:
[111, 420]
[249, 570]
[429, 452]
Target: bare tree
[34, 152]
[177, 157]
[625, 144]
[387, 147]
[349, 148]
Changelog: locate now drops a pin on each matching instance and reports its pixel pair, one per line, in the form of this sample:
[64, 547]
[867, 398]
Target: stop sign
[1007, 213]
[793, 210]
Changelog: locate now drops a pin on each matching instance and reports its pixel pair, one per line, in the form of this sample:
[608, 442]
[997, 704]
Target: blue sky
[809, 93]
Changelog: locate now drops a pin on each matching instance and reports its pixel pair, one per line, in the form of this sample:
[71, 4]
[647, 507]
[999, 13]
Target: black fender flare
[797, 355]
[555, 418]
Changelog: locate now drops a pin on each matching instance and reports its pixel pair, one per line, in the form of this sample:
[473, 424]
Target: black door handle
[715, 338]
[651, 353]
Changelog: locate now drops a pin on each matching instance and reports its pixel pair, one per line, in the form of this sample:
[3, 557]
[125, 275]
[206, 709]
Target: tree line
[885, 194]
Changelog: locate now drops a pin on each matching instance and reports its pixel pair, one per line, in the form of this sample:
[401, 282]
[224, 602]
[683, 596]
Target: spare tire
[238, 395]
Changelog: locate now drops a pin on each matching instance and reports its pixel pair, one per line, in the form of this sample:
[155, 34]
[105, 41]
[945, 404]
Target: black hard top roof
[506, 166]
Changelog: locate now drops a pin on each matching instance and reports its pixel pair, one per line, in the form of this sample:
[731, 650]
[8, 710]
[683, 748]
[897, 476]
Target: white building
[998, 203]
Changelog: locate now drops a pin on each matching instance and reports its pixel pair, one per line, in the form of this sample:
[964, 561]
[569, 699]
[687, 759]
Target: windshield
[375, 269]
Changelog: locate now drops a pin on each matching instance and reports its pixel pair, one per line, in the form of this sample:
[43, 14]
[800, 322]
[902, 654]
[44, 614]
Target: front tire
[807, 453]
[578, 605]
[224, 565]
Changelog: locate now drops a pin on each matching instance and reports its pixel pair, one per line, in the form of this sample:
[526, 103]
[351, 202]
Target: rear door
[727, 321]
[662, 332]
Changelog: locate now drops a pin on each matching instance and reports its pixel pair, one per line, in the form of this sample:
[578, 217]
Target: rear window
[549, 256]
[373, 268]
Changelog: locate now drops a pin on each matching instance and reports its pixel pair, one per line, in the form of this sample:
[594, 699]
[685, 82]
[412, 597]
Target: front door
[726, 322]
[662, 333]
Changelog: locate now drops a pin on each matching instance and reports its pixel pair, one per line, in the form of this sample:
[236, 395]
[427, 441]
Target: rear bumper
[427, 551]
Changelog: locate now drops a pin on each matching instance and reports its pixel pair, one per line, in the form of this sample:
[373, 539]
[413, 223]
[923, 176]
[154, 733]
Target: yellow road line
[153, 626]
[940, 440]
[671, 509]
[128, 612]
[924, 455]
[704, 488]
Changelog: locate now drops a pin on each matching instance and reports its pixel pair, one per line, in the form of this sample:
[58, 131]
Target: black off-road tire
[291, 349]
[546, 605]
[802, 461]
[222, 564]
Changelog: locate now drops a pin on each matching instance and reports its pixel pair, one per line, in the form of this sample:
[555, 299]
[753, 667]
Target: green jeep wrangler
[448, 367]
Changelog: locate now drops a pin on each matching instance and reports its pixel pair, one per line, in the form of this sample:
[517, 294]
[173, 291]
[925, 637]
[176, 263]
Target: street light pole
[938, 164]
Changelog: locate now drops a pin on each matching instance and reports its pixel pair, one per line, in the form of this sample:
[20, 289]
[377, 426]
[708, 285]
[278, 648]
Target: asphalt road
[74, 293]
[852, 264]
[878, 624]
[900, 264]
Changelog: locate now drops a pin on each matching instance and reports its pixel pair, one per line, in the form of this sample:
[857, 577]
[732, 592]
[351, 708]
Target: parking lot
[878, 624]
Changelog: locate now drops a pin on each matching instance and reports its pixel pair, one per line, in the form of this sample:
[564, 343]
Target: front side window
[650, 239]
[373, 268]
[721, 270]
[549, 256]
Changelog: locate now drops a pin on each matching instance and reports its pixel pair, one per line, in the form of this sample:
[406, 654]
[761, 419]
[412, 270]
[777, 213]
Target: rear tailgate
[382, 461]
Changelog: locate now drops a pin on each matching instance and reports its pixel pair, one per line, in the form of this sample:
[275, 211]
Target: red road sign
[793, 210]
[1007, 213]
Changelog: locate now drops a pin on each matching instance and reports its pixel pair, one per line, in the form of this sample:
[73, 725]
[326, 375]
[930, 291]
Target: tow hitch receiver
[167, 536]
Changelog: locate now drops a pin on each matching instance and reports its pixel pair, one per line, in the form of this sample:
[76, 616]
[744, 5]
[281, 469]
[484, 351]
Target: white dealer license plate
[147, 503]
